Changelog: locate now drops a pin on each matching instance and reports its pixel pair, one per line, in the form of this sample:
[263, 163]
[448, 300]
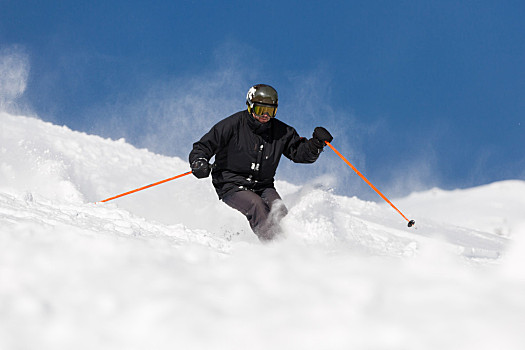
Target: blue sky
[417, 93]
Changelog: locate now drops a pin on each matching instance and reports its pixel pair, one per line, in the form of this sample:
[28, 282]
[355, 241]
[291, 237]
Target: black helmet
[261, 94]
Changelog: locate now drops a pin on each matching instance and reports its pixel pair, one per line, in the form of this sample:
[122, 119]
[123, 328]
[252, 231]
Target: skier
[247, 147]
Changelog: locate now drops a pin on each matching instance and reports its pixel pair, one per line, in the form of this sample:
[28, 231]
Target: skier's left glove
[200, 168]
[319, 137]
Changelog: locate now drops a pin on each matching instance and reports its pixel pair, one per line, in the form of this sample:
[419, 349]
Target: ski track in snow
[173, 267]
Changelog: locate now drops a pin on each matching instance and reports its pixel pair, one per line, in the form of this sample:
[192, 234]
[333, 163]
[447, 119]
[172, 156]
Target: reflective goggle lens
[262, 110]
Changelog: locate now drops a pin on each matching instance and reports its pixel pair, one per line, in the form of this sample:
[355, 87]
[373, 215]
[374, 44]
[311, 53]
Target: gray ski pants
[264, 210]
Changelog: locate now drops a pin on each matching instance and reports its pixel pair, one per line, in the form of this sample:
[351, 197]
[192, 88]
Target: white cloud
[14, 73]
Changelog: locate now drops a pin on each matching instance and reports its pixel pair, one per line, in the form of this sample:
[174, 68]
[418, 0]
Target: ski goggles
[261, 110]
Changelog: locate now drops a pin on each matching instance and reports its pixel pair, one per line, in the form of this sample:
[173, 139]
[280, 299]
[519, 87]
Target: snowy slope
[173, 267]
[499, 207]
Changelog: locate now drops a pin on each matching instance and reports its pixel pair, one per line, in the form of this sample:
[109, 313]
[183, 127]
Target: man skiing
[247, 147]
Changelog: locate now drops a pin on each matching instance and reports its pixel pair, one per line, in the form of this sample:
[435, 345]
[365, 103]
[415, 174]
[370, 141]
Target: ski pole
[143, 188]
[410, 222]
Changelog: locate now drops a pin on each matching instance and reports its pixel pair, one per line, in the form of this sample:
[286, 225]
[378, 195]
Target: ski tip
[411, 223]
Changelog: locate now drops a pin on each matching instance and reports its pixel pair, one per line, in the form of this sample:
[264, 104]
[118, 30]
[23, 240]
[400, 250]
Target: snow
[172, 267]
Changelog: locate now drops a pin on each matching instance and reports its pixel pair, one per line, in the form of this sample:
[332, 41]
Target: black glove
[319, 137]
[200, 168]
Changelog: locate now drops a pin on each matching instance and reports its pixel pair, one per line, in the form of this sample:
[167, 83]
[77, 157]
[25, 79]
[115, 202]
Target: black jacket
[247, 152]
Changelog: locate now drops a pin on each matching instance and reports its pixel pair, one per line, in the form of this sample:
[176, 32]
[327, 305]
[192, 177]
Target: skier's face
[263, 112]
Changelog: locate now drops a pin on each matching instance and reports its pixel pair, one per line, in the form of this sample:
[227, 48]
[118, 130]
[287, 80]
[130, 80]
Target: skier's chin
[262, 119]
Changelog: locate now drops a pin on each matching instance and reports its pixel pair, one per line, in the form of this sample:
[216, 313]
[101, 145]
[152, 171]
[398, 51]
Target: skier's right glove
[200, 168]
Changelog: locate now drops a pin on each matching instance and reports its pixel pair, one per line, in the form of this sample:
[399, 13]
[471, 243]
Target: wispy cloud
[14, 73]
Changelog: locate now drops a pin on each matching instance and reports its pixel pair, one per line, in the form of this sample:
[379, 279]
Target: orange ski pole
[143, 188]
[410, 222]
